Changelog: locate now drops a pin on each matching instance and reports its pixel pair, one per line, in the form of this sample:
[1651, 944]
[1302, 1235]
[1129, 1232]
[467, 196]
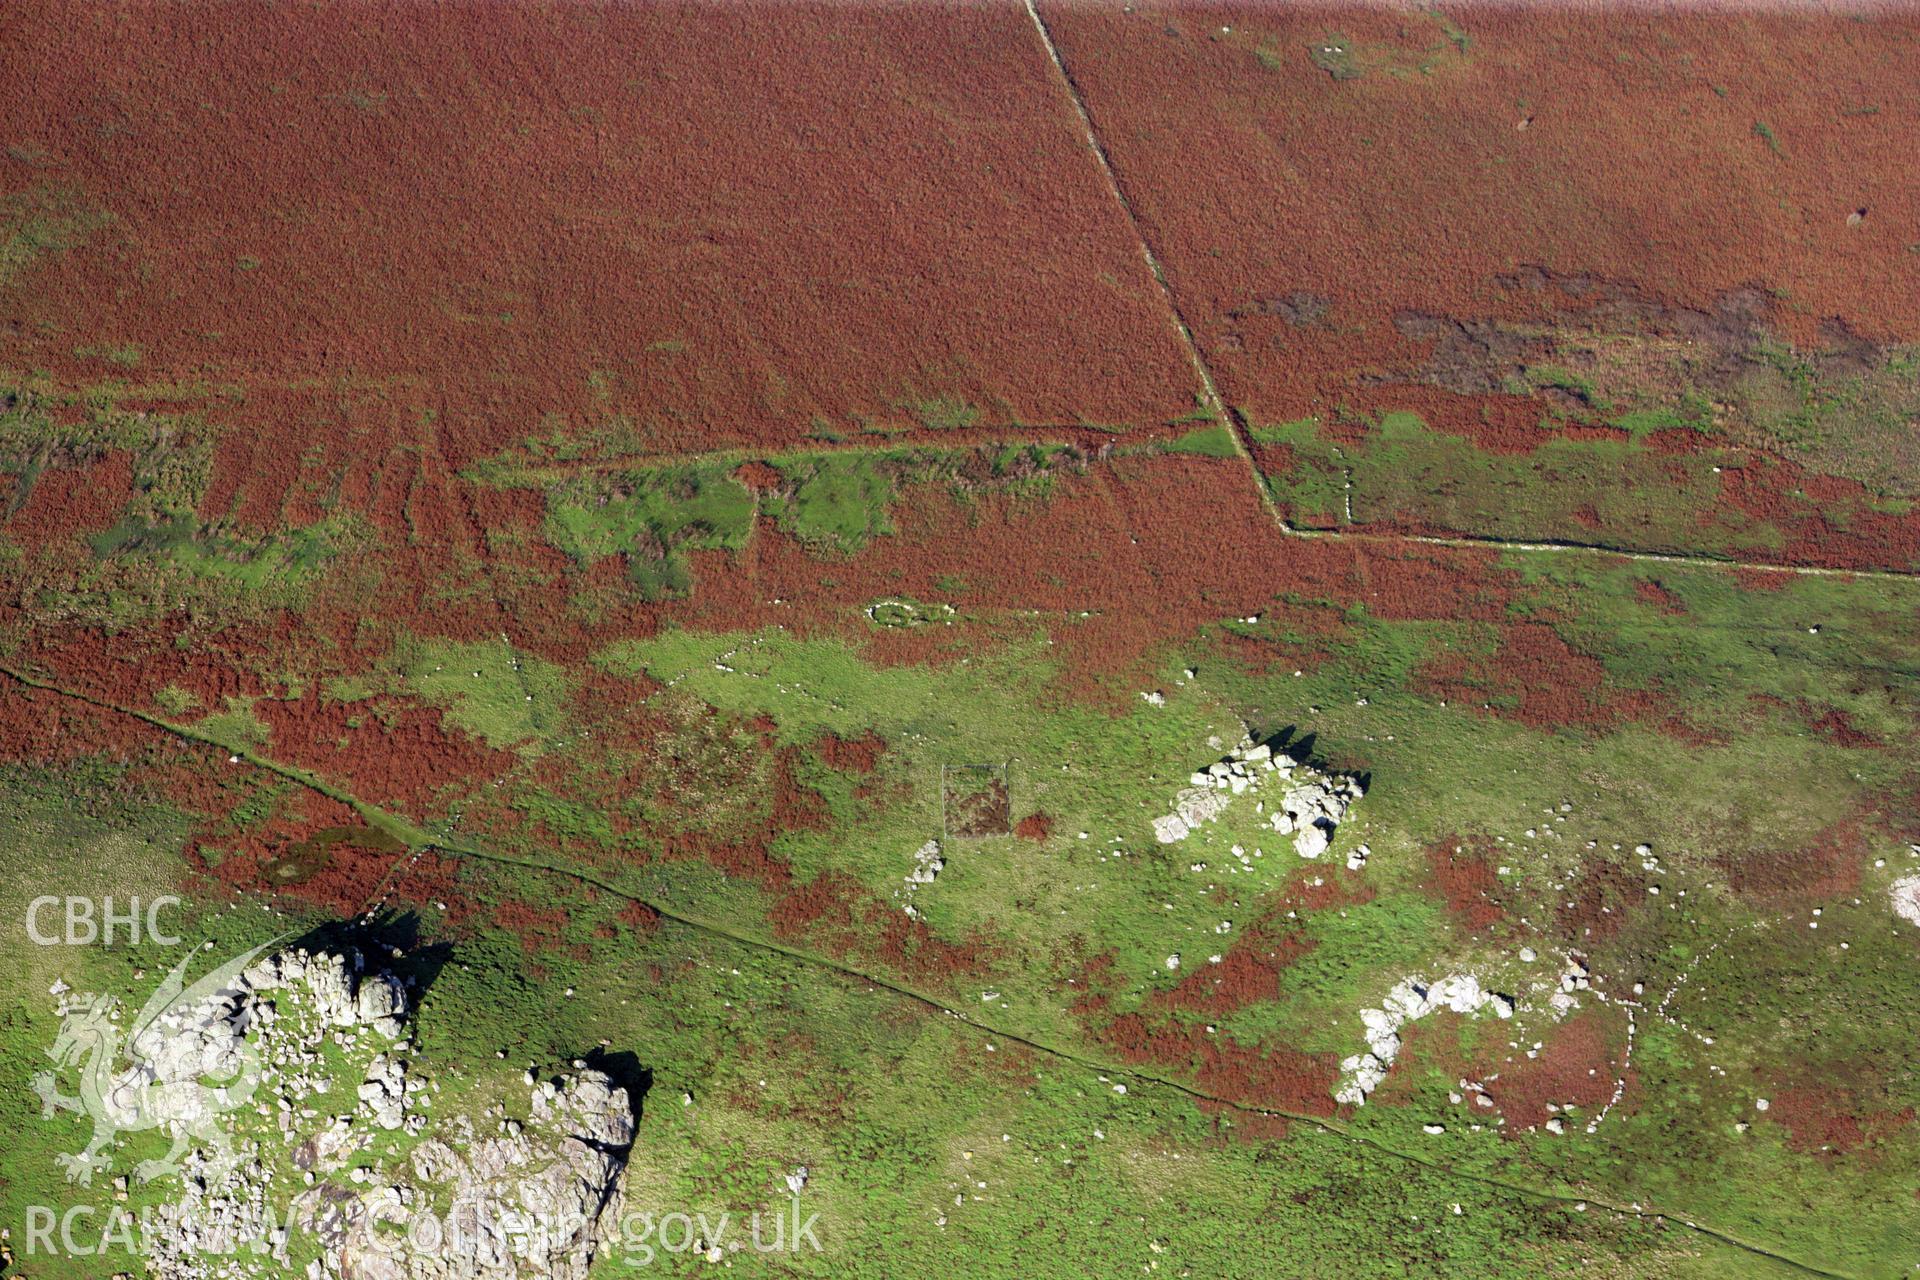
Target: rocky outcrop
[526, 1200]
[1904, 895]
[1310, 809]
[928, 863]
[383, 1094]
[1410, 999]
[268, 1030]
[341, 990]
[388, 1191]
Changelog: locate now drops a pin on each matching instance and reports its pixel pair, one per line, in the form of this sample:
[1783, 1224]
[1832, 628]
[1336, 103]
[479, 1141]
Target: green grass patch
[944, 413]
[1334, 54]
[506, 698]
[1614, 491]
[698, 506]
[651, 518]
[1207, 442]
[279, 562]
[839, 501]
[42, 222]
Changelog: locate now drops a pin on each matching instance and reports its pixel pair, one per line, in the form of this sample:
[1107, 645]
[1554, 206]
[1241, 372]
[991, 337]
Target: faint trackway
[1209, 393]
[419, 841]
[1088, 439]
[1237, 429]
[1093, 440]
[1683, 559]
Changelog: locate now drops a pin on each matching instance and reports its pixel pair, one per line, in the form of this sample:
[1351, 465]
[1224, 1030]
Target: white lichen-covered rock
[1905, 899]
[273, 1035]
[927, 864]
[1201, 805]
[194, 1042]
[1313, 810]
[1410, 999]
[1459, 992]
[521, 1202]
[1313, 806]
[1573, 980]
[327, 1149]
[384, 1092]
[337, 986]
[1360, 1075]
[381, 1003]
[1171, 828]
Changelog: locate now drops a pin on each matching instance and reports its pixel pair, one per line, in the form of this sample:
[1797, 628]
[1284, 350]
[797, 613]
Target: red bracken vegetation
[1460, 870]
[1829, 1122]
[796, 807]
[1390, 230]
[69, 502]
[431, 884]
[1250, 969]
[306, 847]
[1598, 901]
[1828, 866]
[640, 918]
[40, 728]
[1248, 973]
[1119, 559]
[1578, 1066]
[1035, 826]
[1308, 244]
[1653, 593]
[1279, 1077]
[401, 758]
[852, 755]
[410, 241]
[1275, 1076]
[344, 884]
[837, 914]
[1823, 520]
[1535, 677]
[1836, 726]
[508, 211]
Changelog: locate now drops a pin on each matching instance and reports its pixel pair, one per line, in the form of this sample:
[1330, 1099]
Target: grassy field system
[1616, 491]
[933, 1142]
[1460, 773]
